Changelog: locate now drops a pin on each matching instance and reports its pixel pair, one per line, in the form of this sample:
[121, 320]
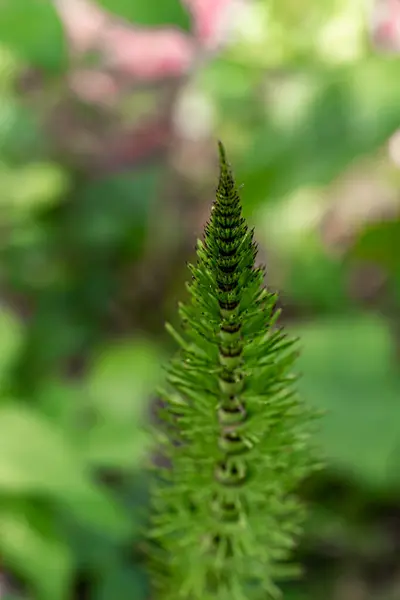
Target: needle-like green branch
[224, 518]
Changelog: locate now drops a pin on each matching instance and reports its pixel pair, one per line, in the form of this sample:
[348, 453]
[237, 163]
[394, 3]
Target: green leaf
[149, 14]
[31, 187]
[9, 68]
[313, 278]
[352, 113]
[30, 546]
[317, 282]
[58, 321]
[122, 379]
[63, 402]
[379, 243]
[20, 134]
[123, 583]
[32, 29]
[97, 509]
[348, 371]
[37, 458]
[100, 223]
[11, 337]
[111, 445]
[108, 442]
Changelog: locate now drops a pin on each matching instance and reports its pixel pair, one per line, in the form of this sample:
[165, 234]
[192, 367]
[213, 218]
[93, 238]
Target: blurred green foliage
[352, 112]
[169, 12]
[50, 460]
[33, 30]
[344, 375]
[92, 258]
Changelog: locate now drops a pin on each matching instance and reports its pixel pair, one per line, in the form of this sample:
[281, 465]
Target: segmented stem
[223, 516]
[230, 241]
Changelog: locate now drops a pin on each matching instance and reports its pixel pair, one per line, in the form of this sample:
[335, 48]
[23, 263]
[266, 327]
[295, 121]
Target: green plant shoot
[225, 516]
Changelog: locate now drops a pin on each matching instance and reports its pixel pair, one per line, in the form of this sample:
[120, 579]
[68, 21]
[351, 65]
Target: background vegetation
[108, 122]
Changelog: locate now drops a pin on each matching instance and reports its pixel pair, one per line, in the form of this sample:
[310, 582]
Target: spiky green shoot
[224, 519]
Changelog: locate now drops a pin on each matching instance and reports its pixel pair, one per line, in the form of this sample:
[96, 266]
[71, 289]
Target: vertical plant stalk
[224, 518]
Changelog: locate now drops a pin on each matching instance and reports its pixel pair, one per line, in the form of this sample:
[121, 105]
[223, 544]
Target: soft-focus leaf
[99, 510]
[308, 274]
[37, 458]
[58, 320]
[31, 187]
[123, 583]
[142, 12]
[103, 441]
[111, 445]
[29, 263]
[348, 371]
[122, 378]
[20, 134]
[63, 402]
[91, 549]
[115, 210]
[316, 281]
[30, 544]
[8, 68]
[379, 244]
[11, 337]
[32, 29]
[352, 114]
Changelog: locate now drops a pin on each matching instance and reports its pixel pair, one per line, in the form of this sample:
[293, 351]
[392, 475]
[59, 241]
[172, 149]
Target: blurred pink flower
[385, 25]
[146, 54]
[385, 30]
[83, 22]
[142, 52]
[93, 86]
[208, 20]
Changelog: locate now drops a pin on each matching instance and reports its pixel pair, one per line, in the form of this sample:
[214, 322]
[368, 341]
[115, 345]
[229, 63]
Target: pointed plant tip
[222, 153]
[223, 162]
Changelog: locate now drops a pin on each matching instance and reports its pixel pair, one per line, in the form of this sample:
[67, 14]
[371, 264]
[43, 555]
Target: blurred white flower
[341, 39]
[394, 148]
[194, 116]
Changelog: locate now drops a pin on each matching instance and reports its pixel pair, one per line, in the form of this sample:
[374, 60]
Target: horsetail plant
[235, 434]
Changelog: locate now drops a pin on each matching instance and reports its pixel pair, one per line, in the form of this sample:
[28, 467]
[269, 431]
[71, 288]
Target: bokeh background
[109, 116]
